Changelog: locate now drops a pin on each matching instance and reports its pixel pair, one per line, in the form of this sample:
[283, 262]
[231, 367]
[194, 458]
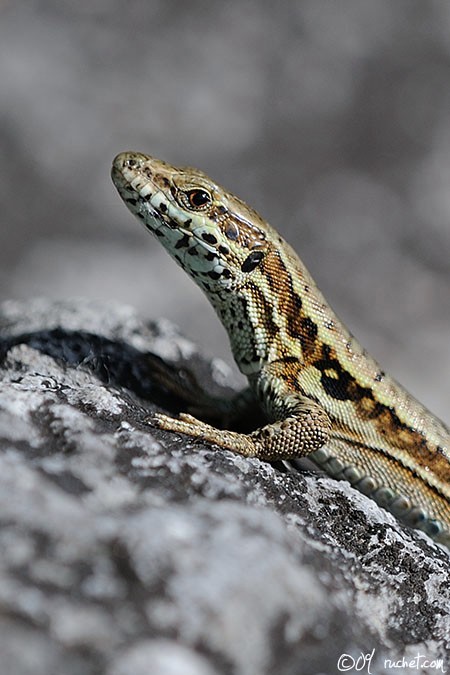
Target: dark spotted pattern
[209, 238]
[304, 329]
[341, 385]
[183, 242]
[252, 261]
[336, 381]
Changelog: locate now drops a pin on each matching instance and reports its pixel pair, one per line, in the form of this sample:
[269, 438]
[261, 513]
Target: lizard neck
[266, 319]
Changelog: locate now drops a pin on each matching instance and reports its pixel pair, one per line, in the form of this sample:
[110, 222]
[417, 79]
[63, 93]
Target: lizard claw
[184, 424]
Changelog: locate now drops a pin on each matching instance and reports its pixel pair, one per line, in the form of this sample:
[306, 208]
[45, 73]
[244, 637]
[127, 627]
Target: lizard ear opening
[252, 261]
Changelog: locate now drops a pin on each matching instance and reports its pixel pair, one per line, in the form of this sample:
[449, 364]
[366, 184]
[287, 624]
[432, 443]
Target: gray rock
[128, 550]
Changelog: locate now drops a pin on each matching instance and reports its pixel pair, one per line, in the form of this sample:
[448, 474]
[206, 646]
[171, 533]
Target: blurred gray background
[332, 118]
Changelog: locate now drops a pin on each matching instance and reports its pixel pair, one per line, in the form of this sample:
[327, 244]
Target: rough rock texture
[130, 551]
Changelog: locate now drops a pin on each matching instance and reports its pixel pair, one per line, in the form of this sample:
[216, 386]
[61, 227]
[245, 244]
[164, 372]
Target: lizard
[322, 394]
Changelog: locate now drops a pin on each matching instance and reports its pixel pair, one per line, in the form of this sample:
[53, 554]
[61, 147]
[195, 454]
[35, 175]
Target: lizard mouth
[137, 189]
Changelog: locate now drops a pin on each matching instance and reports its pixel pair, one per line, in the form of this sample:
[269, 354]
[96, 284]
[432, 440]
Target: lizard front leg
[301, 426]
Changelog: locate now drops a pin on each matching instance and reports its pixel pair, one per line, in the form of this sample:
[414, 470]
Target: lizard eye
[198, 198]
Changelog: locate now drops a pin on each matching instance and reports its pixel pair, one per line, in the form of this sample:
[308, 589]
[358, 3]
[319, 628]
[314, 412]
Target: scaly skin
[323, 395]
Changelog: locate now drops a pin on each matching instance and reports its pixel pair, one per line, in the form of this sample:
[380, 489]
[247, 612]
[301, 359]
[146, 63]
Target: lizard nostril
[130, 160]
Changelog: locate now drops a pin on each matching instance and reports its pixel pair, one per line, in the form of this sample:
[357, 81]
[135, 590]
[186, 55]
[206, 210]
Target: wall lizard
[323, 395]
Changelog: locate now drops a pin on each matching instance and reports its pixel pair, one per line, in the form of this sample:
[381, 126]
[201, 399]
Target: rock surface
[130, 551]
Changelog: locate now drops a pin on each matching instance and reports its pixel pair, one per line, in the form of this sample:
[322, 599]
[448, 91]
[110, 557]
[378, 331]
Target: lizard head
[217, 239]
